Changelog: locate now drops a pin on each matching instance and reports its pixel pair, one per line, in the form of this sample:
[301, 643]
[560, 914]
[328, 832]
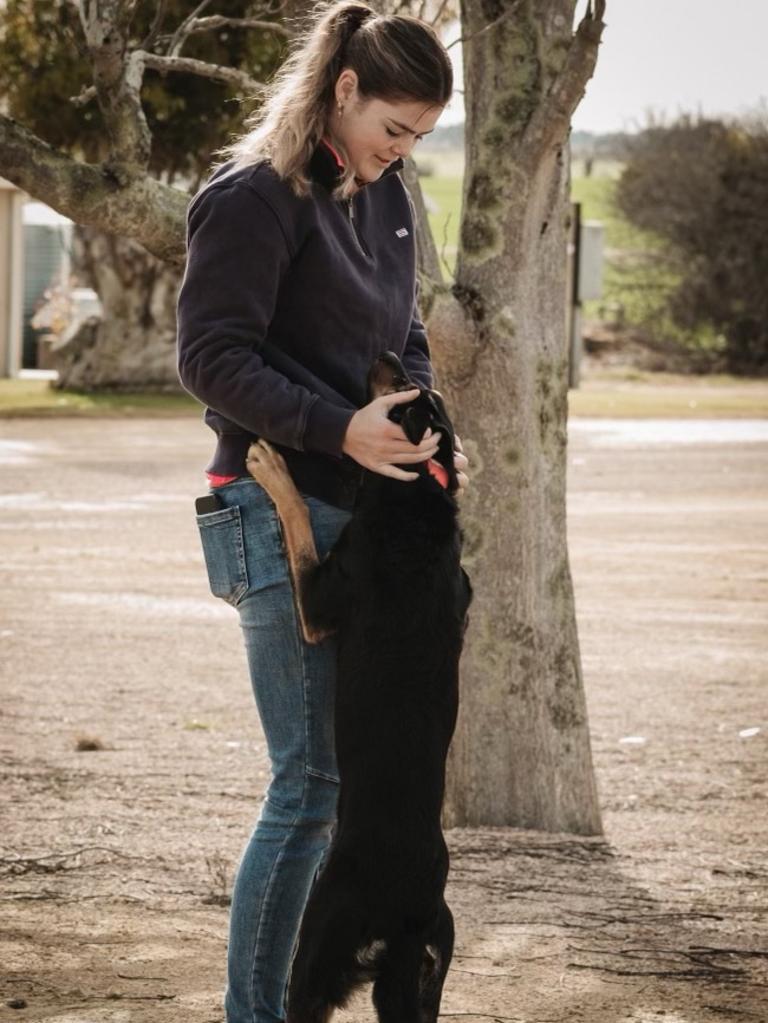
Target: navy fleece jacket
[285, 304]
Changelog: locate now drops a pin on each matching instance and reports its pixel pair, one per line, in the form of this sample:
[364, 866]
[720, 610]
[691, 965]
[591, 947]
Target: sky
[667, 56]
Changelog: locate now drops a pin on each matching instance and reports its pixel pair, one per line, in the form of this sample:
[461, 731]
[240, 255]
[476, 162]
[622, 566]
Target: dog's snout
[387, 375]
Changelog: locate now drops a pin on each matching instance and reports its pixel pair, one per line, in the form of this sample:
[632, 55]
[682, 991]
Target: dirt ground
[116, 862]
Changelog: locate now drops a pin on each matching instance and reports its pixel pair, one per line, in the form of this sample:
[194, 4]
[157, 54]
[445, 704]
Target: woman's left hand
[461, 462]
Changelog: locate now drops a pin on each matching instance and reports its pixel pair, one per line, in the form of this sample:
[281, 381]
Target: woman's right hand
[378, 444]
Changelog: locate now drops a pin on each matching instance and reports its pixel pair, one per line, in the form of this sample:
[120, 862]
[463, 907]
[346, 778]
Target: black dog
[394, 592]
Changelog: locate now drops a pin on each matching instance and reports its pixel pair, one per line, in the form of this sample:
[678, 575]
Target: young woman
[300, 271]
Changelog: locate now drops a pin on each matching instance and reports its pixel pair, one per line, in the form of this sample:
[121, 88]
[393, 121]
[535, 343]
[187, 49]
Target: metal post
[574, 339]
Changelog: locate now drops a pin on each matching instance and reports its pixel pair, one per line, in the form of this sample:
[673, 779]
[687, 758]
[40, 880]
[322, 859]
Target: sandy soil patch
[116, 862]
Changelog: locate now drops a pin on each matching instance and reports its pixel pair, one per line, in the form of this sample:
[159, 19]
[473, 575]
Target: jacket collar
[326, 168]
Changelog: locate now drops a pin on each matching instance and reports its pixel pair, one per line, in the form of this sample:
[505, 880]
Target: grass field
[443, 189]
[23, 397]
[630, 394]
[636, 281]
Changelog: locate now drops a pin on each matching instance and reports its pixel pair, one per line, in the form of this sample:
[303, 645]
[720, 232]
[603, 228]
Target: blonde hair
[396, 57]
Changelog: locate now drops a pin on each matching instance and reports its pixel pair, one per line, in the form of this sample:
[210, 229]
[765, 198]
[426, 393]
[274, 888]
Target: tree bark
[430, 274]
[132, 346]
[145, 209]
[521, 754]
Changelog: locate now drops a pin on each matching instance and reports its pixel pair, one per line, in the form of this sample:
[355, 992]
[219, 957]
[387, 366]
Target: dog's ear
[441, 419]
[414, 421]
[387, 376]
[442, 422]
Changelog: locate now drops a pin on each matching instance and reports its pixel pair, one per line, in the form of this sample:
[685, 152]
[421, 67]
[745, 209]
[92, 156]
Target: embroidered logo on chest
[401, 232]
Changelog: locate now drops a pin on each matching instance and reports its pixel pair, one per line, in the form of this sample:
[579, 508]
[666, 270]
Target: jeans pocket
[221, 535]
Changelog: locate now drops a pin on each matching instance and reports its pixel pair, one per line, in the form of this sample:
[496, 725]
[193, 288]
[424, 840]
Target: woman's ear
[346, 86]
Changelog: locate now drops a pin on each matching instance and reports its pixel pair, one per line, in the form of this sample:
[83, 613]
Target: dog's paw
[267, 467]
[313, 635]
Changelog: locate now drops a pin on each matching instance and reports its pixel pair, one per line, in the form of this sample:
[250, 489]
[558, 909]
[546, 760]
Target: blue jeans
[293, 684]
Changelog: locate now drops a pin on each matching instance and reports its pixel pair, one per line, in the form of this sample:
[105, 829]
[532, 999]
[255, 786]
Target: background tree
[702, 186]
[521, 755]
[173, 107]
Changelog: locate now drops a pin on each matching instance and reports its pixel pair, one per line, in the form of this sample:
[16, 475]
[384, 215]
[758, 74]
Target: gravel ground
[116, 862]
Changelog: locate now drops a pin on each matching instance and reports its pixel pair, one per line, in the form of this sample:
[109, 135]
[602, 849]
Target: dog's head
[387, 376]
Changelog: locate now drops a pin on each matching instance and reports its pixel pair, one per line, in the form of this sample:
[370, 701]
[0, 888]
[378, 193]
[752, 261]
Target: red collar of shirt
[339, 161]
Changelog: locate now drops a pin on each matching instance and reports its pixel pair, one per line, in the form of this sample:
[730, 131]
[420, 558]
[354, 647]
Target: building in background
[39, 298]
[11, 277]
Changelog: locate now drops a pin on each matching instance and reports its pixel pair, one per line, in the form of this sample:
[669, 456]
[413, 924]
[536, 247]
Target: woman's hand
[375, 442]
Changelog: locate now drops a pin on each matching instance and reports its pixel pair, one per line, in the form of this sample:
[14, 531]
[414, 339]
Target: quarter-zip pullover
[285, 304]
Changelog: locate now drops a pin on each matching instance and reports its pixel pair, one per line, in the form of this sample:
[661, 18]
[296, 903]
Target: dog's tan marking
[267, 467]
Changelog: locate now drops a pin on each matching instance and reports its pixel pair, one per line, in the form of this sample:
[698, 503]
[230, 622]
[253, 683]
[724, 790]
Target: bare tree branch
[144, 208]
[149, 41]
[215, 21]
[436, 20]
[134, 64]
[189, 65]
[553, 117]
[84, 97]
[180, 35]
[117, 80]
[486, 28]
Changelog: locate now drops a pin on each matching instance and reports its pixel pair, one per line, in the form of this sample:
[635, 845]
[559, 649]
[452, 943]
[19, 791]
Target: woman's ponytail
[345, 19]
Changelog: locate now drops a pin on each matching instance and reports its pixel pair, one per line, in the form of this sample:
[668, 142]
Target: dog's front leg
[268, 468]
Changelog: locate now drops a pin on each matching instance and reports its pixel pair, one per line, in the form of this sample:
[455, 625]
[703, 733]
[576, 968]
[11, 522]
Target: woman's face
[374, 132]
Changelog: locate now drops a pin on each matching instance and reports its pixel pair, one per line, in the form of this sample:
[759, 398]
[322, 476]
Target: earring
[341, 110]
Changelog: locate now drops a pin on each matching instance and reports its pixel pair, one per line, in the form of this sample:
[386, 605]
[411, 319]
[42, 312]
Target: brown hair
[396, 57]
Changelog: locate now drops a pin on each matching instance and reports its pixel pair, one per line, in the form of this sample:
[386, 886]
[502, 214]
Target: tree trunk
[133, 345]
[521, 754]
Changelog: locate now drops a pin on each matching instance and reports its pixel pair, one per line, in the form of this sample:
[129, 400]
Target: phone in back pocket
[208, 503]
